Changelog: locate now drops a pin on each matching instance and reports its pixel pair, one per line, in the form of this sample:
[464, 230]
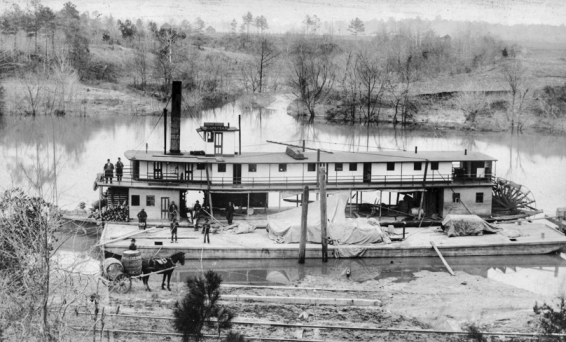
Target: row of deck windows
[456, 197]
[149, 200]
[311, 167]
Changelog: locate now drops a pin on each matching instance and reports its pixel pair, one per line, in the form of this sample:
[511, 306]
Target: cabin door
[218, 143]
[157, 170]
[164, 208]
[188, 171]
[367, 172]
[237, 173]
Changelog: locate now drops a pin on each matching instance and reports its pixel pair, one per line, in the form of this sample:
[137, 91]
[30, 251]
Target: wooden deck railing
[293, 181]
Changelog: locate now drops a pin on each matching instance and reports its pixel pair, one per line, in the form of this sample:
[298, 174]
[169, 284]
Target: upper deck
[273, 171]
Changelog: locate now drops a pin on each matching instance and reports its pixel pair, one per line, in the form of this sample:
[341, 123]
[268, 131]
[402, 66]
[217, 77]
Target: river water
[79, 147]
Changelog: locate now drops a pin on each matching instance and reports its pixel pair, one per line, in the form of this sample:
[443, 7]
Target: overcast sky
[283, 14]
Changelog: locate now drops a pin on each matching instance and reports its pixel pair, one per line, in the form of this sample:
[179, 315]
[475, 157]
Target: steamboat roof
[310, 157]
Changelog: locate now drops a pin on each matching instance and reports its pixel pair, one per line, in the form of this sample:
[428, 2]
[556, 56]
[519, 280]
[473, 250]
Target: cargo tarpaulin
[285, 227]
[463, 225]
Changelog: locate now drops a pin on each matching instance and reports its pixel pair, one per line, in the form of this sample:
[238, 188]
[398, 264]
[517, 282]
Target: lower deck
[525, 239]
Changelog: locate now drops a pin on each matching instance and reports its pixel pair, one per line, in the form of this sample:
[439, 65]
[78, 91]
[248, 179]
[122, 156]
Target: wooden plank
[127, 236]
[442, 258]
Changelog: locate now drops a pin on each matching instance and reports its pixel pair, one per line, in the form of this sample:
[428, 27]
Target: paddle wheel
[510, 198]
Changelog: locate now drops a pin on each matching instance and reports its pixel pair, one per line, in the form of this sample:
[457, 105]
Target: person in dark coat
[174, 226]
[108, 172]
[173, 209]
[142, 217]
[206, 231]
[230, 212]
[196, 213]
[119, 170]
[133, 246]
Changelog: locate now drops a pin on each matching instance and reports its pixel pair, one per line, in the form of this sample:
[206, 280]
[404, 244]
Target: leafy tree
[210, 30]
[261, 24]
[167, 54]
[248, 20]
[233, 26]
[128, 29]
[356, 27]
[201, 303]
[312, 24]
[199, 24]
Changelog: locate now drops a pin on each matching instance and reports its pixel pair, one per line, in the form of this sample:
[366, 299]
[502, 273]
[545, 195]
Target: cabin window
[135, 200]
[252, 167]
[434, 166]
[353, 166]
[200, 166]
[209, 137]
[390, 166]
[456, 197]
[479, 197]
[418, 166]
[282, 167]
[311, 167]
[149, 200]
[221, 167]
[338, 167]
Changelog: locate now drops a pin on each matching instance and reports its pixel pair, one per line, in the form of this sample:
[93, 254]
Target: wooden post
[304, 215]
[317, 169]
[100, 205]
[380, 196]
[210, 204]
[350, 200]
[421, 205]
[248, 207]
[165, 130]
[323, 218]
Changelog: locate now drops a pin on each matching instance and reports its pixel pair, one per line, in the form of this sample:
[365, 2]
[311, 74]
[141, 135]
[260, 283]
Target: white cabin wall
[345, 175]
[467, 197]
[229, 143]
[153, 212]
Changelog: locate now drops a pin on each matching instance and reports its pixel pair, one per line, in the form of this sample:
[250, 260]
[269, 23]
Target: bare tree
[312, 73]
[375, 80]
[140, 62]
[255, 71]
[36, 289]
[516, 78]
[471, 102]
[35, 92]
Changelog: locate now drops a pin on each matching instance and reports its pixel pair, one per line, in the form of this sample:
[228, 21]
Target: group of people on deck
[196, 214]
[109, 171]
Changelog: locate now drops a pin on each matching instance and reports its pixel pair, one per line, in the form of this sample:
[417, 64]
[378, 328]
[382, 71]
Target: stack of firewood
[116, 214]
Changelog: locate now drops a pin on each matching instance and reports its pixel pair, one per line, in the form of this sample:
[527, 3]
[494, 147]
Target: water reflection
[520, 271]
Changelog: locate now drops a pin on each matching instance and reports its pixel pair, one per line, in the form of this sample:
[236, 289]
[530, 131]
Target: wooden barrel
[112, 268]
[132, 262]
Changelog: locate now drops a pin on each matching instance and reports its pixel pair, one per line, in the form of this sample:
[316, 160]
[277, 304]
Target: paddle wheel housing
[511, 198]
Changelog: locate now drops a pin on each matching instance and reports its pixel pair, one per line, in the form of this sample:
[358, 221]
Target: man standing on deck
[133, 246]
[173, 211]
[119, 168]
[206, 231]
[108, 172]
[230, 212]
[174, 226]
[196, 213]
[142, 216]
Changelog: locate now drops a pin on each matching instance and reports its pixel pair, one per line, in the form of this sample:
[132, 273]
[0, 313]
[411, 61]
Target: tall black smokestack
[176, 117]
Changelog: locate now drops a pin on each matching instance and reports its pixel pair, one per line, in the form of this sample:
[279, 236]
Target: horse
[157, 264]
